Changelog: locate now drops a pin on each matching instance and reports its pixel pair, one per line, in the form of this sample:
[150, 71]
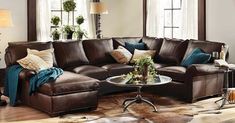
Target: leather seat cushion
[118, 69]
[158, 65]
[177, 73]
[69, 82]
[91, 71]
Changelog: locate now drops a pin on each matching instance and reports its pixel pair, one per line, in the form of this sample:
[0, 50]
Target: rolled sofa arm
[203, 69]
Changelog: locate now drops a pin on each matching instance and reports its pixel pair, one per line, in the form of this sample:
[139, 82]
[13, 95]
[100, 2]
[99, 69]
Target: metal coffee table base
[137, 99]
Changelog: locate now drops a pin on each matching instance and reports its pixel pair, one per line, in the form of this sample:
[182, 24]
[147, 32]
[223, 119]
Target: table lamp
[5, 21]
[98, 8]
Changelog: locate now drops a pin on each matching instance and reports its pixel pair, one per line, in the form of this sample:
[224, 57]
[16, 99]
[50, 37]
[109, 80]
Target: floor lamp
[98, 8]
[5, 21]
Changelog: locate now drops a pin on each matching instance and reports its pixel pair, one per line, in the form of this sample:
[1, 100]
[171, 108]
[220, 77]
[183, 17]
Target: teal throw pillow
[197, 56]
[130, 46]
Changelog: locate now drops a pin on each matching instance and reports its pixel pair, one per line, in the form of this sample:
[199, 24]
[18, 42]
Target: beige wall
[19, 31]
[221, 23]
[124, 18]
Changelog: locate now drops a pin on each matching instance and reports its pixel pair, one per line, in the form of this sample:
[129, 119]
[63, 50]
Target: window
[57, 10]
[172, 18]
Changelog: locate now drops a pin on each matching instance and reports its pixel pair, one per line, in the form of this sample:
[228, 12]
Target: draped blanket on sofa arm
[12, 80]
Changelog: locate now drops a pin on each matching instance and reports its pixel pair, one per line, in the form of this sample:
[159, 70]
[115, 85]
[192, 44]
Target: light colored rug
[170, 111]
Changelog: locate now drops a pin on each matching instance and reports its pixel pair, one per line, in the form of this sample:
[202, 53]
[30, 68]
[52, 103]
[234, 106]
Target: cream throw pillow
[46, 55]
[142, 53]
[121, 55]
[33, 62]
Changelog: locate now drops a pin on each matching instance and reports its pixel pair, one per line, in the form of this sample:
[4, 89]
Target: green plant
[68, 29]
[69, 5]
[79, 20]
[55, 20]
[56, 34]
[146, 61]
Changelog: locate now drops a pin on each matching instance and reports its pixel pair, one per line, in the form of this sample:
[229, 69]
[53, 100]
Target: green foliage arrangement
[144, 72]
[55, 20]
[68, 29]
[69, 5]
[56, 34]
[79, 20]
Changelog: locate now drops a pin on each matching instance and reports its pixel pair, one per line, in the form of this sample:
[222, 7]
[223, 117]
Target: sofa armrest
[26, 74]
[203, 69]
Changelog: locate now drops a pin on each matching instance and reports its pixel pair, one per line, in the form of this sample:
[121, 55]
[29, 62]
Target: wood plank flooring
[19, 113]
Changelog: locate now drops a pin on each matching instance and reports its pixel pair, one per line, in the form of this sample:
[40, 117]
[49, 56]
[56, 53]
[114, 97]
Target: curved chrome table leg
[130, 103]
[151, 104]
[126, 100]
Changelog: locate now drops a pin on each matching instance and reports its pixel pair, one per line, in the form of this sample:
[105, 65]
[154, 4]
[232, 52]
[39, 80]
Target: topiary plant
[55, 20]
[56, 35]
[79, 20]
[69, 5]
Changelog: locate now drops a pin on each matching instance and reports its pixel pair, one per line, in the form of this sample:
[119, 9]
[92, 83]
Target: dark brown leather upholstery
[177, 73]
[91, 71]
[69, 53]
[206, 46]
[118, 69]
[18, 50]
[172, 51]
[69, 83]
[98, 51]
[158, 65]
[121, 41]
[153, 43]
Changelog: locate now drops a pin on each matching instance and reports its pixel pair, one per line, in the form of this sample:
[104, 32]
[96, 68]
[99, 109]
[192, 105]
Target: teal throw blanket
[43, 76]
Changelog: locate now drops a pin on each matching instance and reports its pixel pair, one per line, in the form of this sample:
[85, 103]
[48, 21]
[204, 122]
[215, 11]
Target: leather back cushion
[206, 46]
[98, 51]
[153, 43]
[172, 51]
[69, 54]
[18, 50]
[121, 41]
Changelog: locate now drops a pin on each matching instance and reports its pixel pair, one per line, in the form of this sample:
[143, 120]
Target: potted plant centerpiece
[55, 20]
[80, 33]
[144, 71]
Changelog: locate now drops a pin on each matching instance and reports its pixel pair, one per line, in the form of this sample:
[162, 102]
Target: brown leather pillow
[69, 54]
[98, 51]
[172, 51]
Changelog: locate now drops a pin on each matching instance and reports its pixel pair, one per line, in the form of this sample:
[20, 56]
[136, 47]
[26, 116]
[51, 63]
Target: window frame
[201, 19]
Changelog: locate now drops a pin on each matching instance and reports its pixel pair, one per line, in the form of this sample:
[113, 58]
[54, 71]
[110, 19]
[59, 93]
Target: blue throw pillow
[197, 56]
[132, 46]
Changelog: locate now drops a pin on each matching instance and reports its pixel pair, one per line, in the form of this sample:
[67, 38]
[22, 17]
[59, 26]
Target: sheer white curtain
[83, 8]
[43, 20]
[189, 19]
[155, 15]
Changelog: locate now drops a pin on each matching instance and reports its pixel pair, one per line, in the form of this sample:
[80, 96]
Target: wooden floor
[19, 113]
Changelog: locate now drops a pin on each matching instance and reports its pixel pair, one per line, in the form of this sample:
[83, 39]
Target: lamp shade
[5, 18]
[98, 8]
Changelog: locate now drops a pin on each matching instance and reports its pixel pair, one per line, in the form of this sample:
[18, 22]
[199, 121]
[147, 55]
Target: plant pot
[69, 35]
[80, 36]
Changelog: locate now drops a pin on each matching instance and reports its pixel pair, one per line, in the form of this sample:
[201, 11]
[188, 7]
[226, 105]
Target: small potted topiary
[69, 30]
[69, 5]
[55, 20]
[55, 35]
[80, 33]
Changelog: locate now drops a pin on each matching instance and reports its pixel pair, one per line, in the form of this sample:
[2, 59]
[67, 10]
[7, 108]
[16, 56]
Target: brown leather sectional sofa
[87, 64]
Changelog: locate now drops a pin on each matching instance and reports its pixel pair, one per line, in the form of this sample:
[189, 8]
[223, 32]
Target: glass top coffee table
[121, 81]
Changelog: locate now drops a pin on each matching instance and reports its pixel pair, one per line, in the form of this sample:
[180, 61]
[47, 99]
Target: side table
[228, 83]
